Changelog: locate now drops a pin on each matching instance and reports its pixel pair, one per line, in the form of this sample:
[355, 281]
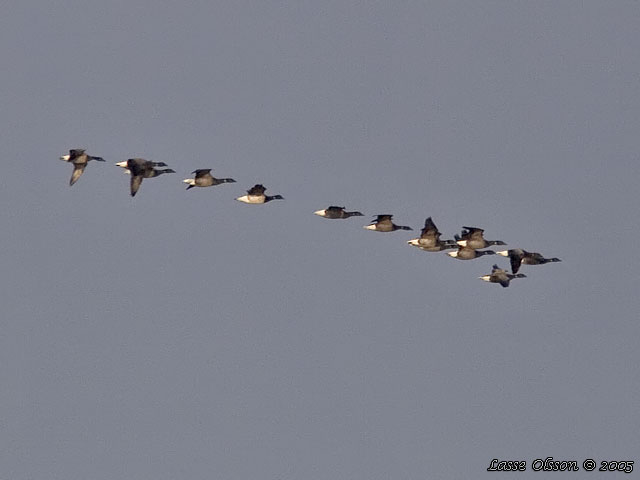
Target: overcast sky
[184, 335]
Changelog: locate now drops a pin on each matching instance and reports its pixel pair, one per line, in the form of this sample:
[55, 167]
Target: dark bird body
[468, 253]
[383, 223]
[498, 275]
[334, 212]
[256, 195]
[79, 159]
[518, 256]
[474, 237]
[429, 239]
[204, 178]
[139, 168]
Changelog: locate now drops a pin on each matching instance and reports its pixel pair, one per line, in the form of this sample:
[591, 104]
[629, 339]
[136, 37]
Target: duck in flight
[383, 223]
[139, 168]
[79, 159]
[468, 253]
[429, 239]
[255, 195]
[474, 237]
[336, 212]
[518, 256]
[498, 275]
[204, 178]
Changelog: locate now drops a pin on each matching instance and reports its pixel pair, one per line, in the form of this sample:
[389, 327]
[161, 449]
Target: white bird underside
[255, 199]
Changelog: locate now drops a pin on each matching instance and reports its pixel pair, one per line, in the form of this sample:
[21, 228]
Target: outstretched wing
[77, 171]
[429, 229]
[136, 180]
[516, 260]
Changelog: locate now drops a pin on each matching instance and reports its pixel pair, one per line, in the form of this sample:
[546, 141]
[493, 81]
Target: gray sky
[185, 335]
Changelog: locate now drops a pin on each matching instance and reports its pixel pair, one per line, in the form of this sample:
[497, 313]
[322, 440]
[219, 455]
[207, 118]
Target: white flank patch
[190, 181]
[415, 242]
[370, 227]
[462, 243]
[486, 278]
[322, 213]
[504, 253]
[453, 254]
[254, 199]
[65, 158]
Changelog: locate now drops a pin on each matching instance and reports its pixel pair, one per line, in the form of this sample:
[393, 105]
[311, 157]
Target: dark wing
[77, 171]
[380, 218]
[476, 233]
[516, 260]
[471, 232]
[256, 190]
[201, 172]
[136, 180]
[429, 229]
[75, 153]
[335, 209]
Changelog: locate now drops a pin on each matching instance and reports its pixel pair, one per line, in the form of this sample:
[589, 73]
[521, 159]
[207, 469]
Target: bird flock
[468, 245]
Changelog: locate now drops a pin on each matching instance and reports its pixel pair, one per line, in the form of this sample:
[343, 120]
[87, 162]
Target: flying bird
[204, 178]
[468, 253]
[255, 195]
[139, 168]
[429, 239]
[383, 223]
[498, 275]
[336, 212]
[518, 256]
[474, 237]
[79, 159]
